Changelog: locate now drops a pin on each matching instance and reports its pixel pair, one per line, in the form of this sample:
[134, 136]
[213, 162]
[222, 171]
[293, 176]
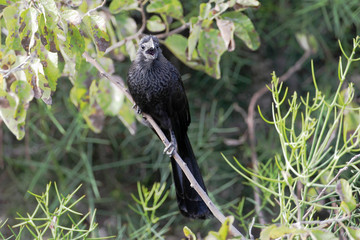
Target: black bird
[156, 87]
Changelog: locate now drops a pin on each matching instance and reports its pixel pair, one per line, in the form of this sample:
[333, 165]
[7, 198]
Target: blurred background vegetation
[59, 146]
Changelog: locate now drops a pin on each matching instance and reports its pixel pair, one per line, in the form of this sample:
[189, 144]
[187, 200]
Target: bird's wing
[180, 107]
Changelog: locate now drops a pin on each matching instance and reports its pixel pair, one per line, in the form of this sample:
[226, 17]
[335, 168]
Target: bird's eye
[142, 47]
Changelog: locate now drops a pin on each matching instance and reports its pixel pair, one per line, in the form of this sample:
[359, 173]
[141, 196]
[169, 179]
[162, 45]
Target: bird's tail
[190, 203]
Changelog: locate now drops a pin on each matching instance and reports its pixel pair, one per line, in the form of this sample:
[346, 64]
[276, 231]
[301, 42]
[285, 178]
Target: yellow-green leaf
[13, 107]
[344, 190]
[117, 6]
[172, 8]
[177, 44]
[354, 233]
[189, 234]
[211, 46]
[27, 27]
[155, 24]
[97, 28]
[321, 235]
[11, 16]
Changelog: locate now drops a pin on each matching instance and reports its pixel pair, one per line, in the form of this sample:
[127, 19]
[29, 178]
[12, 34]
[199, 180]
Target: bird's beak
[151, 51]
[151, 43]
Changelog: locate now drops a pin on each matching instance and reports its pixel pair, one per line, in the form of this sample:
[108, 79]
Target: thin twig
[327, 221]
[94, 9]
[329, 183]
[250, 229]
[251, 127]
[216, 212]
[174, 31]
[292, 192]
[17, 68]
[141, 30]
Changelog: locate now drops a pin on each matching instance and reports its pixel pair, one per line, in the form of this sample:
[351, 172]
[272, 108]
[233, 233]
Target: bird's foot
[170, 149]
[137, 109]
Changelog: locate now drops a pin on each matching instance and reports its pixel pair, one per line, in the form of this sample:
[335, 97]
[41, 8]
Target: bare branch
[215, 211]
[251, 126]
[17, 68]
[94, 9]
[327, 221]
[141, 30]
[174, 31]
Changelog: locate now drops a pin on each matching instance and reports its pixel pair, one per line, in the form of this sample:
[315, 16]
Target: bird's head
[149, 47]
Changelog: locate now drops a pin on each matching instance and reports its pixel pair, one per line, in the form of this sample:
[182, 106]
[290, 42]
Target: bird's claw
[169, 149]
[137, 109]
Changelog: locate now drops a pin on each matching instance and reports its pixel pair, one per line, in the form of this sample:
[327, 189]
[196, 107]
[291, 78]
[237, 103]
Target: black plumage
[156, 87]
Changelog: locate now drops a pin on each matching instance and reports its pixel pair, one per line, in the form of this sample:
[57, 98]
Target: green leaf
[131, 49]
[204, 10]
[188, 233]
[211, 46]
[177, 44]
[218, 10]
[172, 8]
[128, 116]
[117, 6]
[351, 117]
[274, 232]
[128, 28]
[49, 62]
[93, 98]
[354, 233]
[97, 28]
[244, 29]
[13, 107]
[11, 15]
[128, 25]
[320, 235]
[225, 227]
[155, 24]
[75, 43]
[223, 232]
[109, 97]
[71, 16]
[7, 61]
[49, 38]
[85, 100]
[348, 202]
[36, 77]
[53, 14]
[28, 27]
[193, 39]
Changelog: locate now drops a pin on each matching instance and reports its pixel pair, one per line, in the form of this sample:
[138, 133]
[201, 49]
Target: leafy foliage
[64, 222]
[309, 158]
[52, 37]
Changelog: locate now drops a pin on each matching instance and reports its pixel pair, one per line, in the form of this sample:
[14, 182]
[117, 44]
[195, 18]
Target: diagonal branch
[250, 121]
[215, 211]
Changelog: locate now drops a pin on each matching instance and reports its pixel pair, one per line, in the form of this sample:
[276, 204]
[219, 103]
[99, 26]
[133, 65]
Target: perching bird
[156, 87]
